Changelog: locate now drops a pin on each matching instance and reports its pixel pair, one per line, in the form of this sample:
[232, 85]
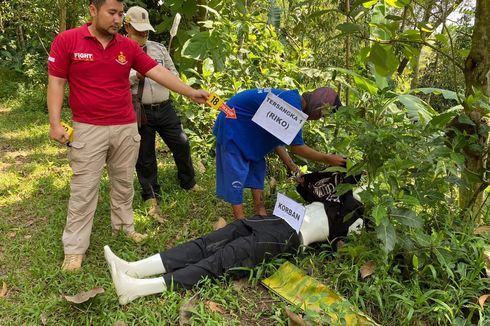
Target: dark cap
[317, 99]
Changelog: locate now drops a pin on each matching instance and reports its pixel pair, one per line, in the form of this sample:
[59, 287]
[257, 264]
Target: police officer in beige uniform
[160, 118]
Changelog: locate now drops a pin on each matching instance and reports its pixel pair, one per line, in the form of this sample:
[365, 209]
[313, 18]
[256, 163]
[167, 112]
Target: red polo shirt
[100, 92]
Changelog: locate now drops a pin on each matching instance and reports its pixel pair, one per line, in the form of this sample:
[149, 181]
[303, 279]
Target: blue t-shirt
[253, 141]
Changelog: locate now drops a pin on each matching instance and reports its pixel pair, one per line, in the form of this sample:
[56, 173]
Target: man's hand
[336, 160]
[164, 77]
[199, 96]
[299, 176]
[311, 154]
[139, 76]
[59, 134]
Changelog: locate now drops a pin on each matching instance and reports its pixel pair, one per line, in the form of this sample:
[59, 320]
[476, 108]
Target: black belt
[156, 106]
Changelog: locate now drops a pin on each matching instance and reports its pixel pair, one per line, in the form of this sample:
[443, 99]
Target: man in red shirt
[96, 61]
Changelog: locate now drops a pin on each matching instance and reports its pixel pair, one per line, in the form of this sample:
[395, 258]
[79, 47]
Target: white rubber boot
[152, 265]
[129, 288]
[315, 224]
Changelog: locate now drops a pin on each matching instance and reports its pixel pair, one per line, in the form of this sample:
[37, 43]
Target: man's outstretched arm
[314, 155]
[164, 77]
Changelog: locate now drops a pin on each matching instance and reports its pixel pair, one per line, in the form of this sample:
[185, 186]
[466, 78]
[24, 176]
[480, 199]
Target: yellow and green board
[292, 284]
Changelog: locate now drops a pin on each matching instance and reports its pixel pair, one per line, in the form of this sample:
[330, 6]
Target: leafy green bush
[27, 90]
[10, 80]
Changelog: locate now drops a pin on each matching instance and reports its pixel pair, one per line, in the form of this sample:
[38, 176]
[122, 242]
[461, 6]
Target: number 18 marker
[216, 102]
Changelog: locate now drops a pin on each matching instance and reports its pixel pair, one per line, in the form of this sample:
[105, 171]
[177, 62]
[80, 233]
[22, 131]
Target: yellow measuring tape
[69, 130]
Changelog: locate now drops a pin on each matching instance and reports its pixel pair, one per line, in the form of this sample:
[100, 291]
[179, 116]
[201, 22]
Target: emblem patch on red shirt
[83, 56]
[121, 58]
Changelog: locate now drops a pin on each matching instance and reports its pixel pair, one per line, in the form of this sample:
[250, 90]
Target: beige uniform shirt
[153, 92]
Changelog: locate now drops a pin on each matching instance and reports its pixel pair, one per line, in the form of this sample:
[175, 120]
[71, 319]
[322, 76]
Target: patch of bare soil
[12, 158]
[257, 304]
[7, 148]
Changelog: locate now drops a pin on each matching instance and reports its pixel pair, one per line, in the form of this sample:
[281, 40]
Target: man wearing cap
[95, 61]
[157, 116]
[241, 144]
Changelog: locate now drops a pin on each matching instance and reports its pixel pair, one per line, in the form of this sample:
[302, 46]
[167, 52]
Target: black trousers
[166, 123]
[243, 243]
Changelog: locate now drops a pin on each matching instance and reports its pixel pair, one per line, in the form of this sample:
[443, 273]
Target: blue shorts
[234, 173]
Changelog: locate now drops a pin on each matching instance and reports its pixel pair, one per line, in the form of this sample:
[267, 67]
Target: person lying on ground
[243, 243]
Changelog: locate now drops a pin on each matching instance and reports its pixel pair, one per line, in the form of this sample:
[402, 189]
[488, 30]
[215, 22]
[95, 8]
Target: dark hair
[99, 3]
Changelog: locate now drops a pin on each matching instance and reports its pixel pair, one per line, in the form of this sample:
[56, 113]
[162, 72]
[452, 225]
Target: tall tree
[433, 14]
[477, 77]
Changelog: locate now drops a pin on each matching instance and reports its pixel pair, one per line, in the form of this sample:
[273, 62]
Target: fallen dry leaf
[482, 299]
[213, 306]
[27, 237]
[486, 256]
[44, 319]
[120, 323]
[186, 309]
[272, 185]
[11, 234]
[30, 222]
[200, 167]
[3, 292]
[240, 284]
[340, 244]
[294, 319]
[368, 269]
[83, 296]
[482, 229]
[220, 223]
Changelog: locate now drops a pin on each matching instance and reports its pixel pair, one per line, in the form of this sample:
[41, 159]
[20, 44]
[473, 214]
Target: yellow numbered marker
[217, 103]
[69, 131]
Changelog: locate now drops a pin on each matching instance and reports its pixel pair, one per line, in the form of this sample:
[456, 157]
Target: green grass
[34, 191]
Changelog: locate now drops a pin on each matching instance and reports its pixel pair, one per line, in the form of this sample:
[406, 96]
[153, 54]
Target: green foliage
[27, 29]
[437, 281]
[10, 84]
[230, 62]
[407, 164]
[402, 140]
[22, 94]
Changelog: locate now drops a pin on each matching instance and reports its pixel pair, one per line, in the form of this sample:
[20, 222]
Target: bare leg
[238, 211]
[259, 207]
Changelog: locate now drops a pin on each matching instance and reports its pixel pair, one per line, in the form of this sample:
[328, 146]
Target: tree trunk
[477, 65]
[21, 41]
[72, 12]
[62, 6]
[347, 52]
[427, 13]
[477, 75]
[429, 4]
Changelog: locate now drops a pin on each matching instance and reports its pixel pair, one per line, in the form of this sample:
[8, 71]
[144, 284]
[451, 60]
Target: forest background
[414, 79]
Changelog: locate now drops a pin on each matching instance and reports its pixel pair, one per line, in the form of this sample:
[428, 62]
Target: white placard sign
[279, 118]
[290, 211]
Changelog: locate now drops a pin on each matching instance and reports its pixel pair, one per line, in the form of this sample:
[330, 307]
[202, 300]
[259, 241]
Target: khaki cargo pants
[92, 147]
